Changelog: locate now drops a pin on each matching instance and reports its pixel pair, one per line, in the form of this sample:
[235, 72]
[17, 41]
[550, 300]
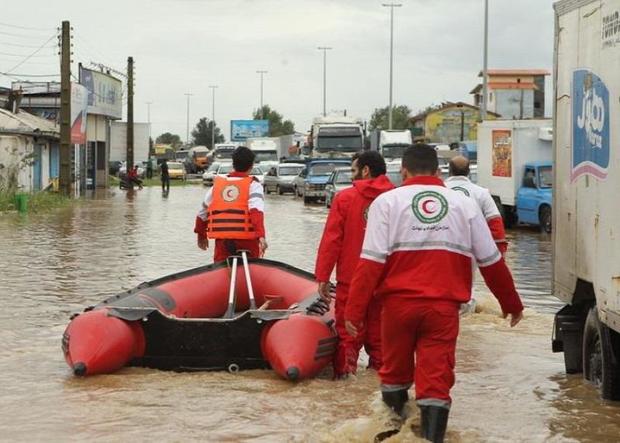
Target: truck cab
[534, 198]
[336, 136]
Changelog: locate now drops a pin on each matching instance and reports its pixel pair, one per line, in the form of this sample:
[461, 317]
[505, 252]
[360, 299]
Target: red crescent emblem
[229, 194]
[426, 204]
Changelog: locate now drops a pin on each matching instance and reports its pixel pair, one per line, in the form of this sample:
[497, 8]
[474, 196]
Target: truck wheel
[503, 212]
[266, 189]
[600, 365]
[307, 200]
[544, 219]
[279, 190]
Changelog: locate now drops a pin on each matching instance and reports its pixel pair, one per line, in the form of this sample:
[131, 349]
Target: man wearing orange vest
[232, 211]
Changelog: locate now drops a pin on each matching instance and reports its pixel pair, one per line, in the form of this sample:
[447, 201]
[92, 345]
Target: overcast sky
[184, 46]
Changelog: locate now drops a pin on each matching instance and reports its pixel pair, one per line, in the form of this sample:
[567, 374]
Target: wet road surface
[510, 387]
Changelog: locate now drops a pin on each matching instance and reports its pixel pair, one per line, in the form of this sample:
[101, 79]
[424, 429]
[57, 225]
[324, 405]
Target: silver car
[207, 176]
[339, 180]
[280, 178]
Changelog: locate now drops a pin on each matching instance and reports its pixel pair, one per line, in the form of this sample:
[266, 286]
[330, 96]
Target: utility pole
[188, 95]
[261, 92]
[65, 110]
[324, 49]
[130, 139]
[485, 67]
[148, 119]
[391, 6]
[213, 88]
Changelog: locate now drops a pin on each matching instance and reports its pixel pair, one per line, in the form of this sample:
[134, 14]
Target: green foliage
[400, 118]
[169, 139]
[201, 134]
[277, 127]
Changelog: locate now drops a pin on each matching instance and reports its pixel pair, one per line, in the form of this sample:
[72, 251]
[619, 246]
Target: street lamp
[213, 88]
[261, 91]
[324, 49]
[460, 106]
[485, 67]
[188, 95]
[391, 6]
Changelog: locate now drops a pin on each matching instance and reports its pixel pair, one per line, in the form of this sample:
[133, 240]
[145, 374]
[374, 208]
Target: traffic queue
[404, 258]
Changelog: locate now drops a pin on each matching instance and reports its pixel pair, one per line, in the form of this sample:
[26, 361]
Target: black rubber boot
[396, 400]
[434, 420]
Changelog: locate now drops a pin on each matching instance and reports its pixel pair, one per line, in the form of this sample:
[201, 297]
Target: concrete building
[29, 151]
[447, 123]
[514, 93]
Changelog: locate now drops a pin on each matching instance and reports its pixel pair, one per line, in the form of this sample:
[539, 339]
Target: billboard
[501, 140]
[79, 104]
[104, 93]
[241, 130]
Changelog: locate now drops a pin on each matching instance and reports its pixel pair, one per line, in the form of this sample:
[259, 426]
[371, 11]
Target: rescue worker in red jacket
[232, 211]
[341, 246]
[417, 255]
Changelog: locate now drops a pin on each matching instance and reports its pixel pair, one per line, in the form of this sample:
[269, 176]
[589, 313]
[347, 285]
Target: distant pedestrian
[165, 177]
[417, 255]
[149, 169]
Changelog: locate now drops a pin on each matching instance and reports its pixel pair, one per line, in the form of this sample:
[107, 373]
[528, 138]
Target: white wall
[12, 148]
[118, 141]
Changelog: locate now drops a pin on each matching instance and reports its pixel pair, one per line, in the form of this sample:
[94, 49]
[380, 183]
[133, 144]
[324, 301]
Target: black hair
[456, 170]
[374, 161]
[243, 159]
[420, 159]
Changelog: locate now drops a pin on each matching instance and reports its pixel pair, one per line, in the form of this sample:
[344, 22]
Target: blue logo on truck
[590, 126]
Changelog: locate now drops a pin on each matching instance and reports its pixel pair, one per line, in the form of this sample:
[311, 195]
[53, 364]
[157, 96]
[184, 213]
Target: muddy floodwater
[510, 387]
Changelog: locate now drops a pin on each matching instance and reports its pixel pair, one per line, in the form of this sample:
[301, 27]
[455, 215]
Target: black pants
[165, 184]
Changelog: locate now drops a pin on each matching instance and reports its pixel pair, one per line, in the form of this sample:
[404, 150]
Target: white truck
[266, 150]
[515, 164]
[390, 143]
[336, 136]
[586, 257]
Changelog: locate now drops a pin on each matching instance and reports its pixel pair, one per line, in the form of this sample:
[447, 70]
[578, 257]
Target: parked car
[311, 181]
[280, 178]
[177, 170]
[207, 176]
[114, 166]
[226, 168]
[339, 180]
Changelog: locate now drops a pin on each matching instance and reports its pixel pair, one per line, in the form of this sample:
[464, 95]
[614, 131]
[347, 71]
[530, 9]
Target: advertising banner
[502, 152]
[104, 93]
[79, 105]
[241, 130]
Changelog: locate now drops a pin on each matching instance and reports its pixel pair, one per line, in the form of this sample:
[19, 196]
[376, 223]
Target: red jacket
[343, 235]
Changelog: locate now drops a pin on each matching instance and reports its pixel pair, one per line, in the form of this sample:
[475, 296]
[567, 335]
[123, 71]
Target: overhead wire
[27, 28]
[32, 54]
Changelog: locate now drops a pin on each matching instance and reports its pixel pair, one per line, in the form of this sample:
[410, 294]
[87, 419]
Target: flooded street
[510, 387]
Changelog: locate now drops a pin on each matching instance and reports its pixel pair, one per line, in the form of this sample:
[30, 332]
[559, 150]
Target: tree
[169, 139]
[277, 127]
[400, 118]
[201, 134]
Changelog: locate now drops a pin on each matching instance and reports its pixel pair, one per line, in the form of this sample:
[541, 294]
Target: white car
[339, 180]
[122, 171]
[226, 168]
[207, 176]
[280, 178]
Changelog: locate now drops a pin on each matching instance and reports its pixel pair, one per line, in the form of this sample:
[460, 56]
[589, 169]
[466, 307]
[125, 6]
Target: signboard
[104, 93]
[79, 104]
[241, 130]
[591, 146]
[501, 140]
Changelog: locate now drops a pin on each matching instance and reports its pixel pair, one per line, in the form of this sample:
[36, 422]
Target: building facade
[514, 93]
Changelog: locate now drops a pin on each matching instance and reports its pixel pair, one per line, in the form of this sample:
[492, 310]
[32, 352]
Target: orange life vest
[228, 215]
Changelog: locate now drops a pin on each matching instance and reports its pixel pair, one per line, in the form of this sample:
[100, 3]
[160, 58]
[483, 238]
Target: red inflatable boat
[207, 319]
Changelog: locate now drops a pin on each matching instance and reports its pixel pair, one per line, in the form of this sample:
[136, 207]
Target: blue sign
[241, 130]
[590, 126]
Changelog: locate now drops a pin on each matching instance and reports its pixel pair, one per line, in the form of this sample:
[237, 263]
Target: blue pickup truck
[535, 195]
[311, 181]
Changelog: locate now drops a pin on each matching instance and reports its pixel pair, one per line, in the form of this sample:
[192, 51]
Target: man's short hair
[243, 159]
[374, 161]
[420, 159]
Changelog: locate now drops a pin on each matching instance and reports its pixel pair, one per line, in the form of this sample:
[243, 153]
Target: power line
[32, 55]
[12, 34]
[28, 75]
[27, 28]
[17, 45]
[26, 55]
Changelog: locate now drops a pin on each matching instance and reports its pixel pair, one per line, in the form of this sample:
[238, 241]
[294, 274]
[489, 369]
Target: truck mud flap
[568, 337]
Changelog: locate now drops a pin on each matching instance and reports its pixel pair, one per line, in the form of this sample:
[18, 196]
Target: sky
[184, 46]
